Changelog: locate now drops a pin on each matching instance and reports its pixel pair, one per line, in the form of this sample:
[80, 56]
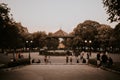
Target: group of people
[77, 54]
[20, 56]
[83, 57]
[104, 60]
[69, 57]
[47, 59]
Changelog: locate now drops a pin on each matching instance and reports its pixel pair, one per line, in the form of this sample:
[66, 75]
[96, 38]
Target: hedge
[17, 63]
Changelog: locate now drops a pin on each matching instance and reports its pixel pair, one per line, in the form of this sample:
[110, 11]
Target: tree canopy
[39, 39]
[14, 35]
[98, 34]
[11, 32]
[113, 9]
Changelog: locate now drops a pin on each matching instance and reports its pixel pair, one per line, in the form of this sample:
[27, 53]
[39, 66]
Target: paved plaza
[58, 72]
[62, 59]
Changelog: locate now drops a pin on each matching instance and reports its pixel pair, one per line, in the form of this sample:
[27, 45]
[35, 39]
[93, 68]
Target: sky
[52, 15]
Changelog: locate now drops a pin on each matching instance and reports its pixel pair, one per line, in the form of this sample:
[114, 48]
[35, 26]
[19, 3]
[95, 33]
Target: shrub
[93, 62]
[18, 63]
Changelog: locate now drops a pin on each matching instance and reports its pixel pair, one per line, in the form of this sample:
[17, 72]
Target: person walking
[87, 58]
[67, 59]
[71, 58]
[110, 62]
[49, 61]
[45, 59]
[98, 59]
[67, 56]
[104, 59]
[81, 55]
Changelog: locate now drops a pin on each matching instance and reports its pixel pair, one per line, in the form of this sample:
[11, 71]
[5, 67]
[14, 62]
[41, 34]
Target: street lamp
[90, 46]
[85, 41]
[29, 45]
[85, 45]
[89, 43]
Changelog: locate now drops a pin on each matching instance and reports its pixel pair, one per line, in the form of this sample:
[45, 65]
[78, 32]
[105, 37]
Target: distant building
[61, 35]
[61, 46]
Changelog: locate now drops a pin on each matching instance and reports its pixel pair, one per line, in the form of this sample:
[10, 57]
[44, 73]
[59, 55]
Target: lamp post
[90, 46]
[29, 45]
[89, 43]
[85, 45]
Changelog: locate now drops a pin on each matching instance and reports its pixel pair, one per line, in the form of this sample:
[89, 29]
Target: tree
[21, 35]
[117, 31]
[39, 39]
[11, 32]
[5, 21]
[68, 43]
[85, 31]
[113, 9]
[104, 35]
[86, 28]
[100, 35]
[4, 14]
[77, 42]
[116, 35]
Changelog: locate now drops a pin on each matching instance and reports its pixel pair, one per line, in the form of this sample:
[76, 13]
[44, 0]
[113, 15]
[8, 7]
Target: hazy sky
[51, 15]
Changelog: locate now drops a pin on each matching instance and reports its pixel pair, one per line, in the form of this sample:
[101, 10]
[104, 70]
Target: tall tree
[113, 9]
[4, 22]
[39, 39]
[86, 28]
[4, 14]
[10, 31]
[117, 36]
[85, 31]
[104, 36]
